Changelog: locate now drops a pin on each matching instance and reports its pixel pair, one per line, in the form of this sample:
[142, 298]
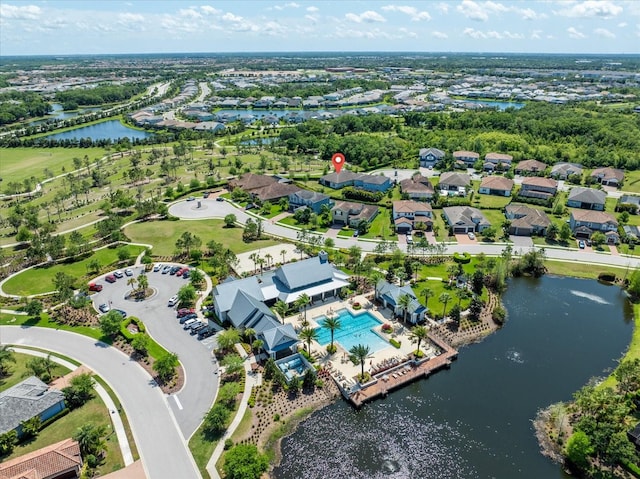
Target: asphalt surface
[193, 401]
[163, 450]
[210, 208]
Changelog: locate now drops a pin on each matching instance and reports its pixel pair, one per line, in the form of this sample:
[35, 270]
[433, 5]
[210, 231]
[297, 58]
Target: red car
[95, 287]
[184, 311]
[180, 272]
[110, 278]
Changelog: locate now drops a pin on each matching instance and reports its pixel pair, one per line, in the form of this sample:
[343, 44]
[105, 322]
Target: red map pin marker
[338, 161]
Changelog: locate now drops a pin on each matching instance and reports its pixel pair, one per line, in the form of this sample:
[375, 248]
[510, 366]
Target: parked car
[206, 333]
[104, 308]
[219, 198]
[128, 272]
[249, 206]
[355, 234]
[157, 267]
[118, 274]
[174, 270]
[184, 311]
[110, 278]
[187, 273]
[189, 322]
[471, 235]
[121, 312]
[581, 244]
[197, 329]
[95, 287]
[180, 272]
[191, 198]
[205, 194]
[173, 300]
[187, 317]
[588, 241]
[166, 269]
[409, 239]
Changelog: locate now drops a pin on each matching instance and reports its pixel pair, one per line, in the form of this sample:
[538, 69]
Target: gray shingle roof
[304, 273]
[455, 179]
[279, 337]
[25, 400]
[587, 195]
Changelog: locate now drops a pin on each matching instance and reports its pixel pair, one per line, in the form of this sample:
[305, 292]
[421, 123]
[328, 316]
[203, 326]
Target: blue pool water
[356, 329]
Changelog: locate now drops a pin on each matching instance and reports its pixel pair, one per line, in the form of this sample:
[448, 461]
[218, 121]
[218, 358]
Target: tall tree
[302, 302]
[417, 335]
[359, 355]
[444, 298]
[332, 323]
[307, 335]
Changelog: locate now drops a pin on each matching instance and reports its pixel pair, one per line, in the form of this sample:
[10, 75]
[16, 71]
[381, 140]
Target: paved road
[193, 401]
[162, 448]
[210, 208]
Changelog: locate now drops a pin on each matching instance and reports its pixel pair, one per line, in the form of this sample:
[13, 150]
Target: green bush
[462, 259]
[395, 343]
[128, 335]
[228, 444]
[632, 468]
[609, 277]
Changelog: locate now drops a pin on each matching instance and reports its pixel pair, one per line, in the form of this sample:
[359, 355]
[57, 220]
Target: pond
[474, 420]
[59, 113]
[106, 130]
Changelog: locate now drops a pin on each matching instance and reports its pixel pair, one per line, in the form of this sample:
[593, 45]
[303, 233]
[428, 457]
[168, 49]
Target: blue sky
[50, 27]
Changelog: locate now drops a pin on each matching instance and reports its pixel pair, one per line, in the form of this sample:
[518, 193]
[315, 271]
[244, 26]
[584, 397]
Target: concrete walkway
[250, 381]
[118, 426]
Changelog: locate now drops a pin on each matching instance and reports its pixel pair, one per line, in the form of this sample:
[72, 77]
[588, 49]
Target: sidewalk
[251, 380]
[118, 426]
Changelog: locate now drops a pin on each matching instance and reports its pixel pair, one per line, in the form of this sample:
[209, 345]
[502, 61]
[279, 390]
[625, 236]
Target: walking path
[252, 379]
[116, 420]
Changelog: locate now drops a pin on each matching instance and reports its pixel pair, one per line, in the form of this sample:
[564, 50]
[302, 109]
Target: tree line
[98, 95]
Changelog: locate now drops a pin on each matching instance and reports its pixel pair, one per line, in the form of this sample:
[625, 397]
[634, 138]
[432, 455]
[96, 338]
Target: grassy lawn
[581, 270]
[40, 280]
[633, 352]
[496, 218]
[19, 371]
[163, 235]
[490, 201]
[291, 221]
[381, 227]
[632, 181]
[21, 163]
[45, 322]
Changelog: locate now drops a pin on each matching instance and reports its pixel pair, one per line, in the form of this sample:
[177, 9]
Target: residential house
[309, 199]
[538, 187]
[244, 302]
[497, 161]
[584, 223]
[465, 219]
[608, 176]
[413, 211]
[630, 202]
[350, 213]
[562, 171]
[466, 159]
[417, 187]
[61, 460]
[530, 167]
[263, 187]
[453, 183]
[430, 156]
[28, 399]
[526, 221]
[496, 185]
[212, 126]
[631, 231]
[364, 181]
[390, 294]
[586, 198]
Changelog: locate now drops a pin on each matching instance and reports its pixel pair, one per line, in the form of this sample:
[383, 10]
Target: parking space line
[178, 403]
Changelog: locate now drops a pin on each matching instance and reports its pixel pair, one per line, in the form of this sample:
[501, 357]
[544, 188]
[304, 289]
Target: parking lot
[193, 401]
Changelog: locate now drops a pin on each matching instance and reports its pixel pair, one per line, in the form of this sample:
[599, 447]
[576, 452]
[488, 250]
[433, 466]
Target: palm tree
[331, 323]
[404, 301]
[417, 335]
[427, 293]
[143, 283]
[302, 302]
[249, 333]
[375, 276]
[358, 355]
[91, 438]
[308, 334]
[415, 267]
[444, 298]
[462, 293]
[131, 282]
[268, 257]
[283, 252]
[281, 308]
[6, 356]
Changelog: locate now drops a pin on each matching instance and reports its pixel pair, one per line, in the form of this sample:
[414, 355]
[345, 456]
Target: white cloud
[622, 24]
[312, 9]
[492, 34]
[366, 17]
[413, 12]
[535, 35]
[437, 34]
[443, 7]
[129, 18]
[230, 17]
[472, 11]
[473, 33]
[189, 13]
[480, 11]
[209, 10]
[27, 12]
[591, 8]
[604, 33]
[574, 33]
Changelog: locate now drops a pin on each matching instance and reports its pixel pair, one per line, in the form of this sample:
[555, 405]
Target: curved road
[163, 451]
[210, 208]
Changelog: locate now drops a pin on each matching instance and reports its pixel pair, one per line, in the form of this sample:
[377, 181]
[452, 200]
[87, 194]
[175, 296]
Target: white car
[118, 274]
[471, 236]
[172, 301]
[409, 239]
[128, 272]
[157, 267]
[104, 308]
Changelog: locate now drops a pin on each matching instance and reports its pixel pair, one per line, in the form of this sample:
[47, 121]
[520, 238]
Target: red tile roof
[46, 463]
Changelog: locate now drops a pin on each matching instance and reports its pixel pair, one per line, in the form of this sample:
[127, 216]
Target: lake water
[59, 113]
[474, 420]
[111, 129]
[500, 105]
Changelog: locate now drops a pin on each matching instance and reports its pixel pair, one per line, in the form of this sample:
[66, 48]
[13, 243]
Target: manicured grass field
[21, 163]
[40, 280]
[582, 270]
[163, 235]
[19, 371]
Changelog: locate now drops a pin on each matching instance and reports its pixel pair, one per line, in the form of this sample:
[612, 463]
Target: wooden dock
[403, 373]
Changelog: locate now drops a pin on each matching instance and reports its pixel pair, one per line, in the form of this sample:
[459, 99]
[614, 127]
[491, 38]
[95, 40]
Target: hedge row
[395, 343]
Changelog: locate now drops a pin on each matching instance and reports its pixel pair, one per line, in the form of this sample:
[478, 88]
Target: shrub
[228, 444]
[499, 315]
[609, 277]
[356, 306]
[332, 348]
[463, 258]
[387, 328]
[395, 343]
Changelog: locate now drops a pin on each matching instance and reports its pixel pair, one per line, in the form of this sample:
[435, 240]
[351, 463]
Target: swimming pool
[356, 329]
[292, 366]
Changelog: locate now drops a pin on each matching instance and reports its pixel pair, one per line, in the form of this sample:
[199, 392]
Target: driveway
[195, 398]
[162, 448]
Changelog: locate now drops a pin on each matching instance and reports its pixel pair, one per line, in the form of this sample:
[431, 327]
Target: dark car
[205, 333]
[184, 311]
[110, 278]
[195, 331]
[186, 274]
[174, 270]
[121, 312]
[219, 198]
[95, 287]
[249, 206]
[166, 269]
[187, 317]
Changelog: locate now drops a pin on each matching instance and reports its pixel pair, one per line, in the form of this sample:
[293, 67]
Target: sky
[52, 27]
